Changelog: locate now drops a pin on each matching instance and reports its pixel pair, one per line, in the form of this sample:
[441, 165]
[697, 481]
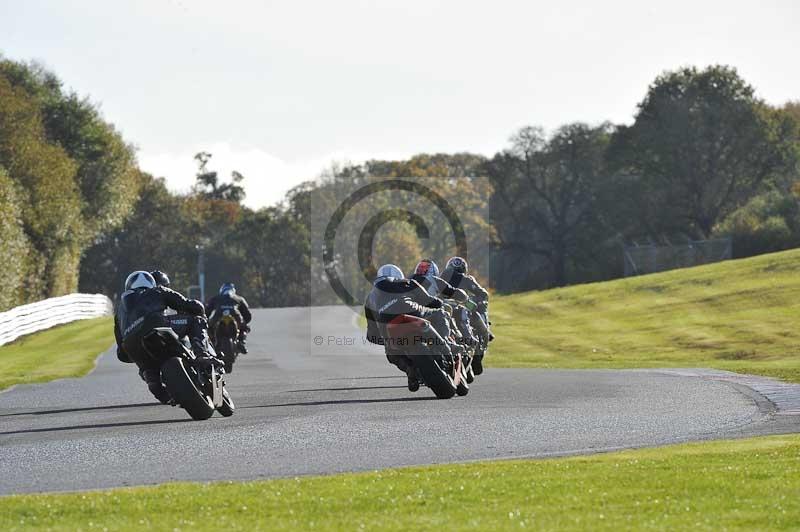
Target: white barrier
[41, 315]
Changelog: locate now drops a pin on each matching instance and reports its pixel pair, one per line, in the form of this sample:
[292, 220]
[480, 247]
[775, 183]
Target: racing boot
[242, 346]
[205, 356]
[152, 377]
[413, 382]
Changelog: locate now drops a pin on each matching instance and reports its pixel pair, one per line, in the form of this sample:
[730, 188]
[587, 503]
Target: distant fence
[42, 315]
[650, 258]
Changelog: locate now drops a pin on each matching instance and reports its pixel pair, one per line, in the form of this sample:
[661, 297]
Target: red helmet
[427, 268]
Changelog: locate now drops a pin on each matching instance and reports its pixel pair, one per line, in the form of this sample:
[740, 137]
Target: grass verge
[738, 315]
[64, 351]
[740, 484]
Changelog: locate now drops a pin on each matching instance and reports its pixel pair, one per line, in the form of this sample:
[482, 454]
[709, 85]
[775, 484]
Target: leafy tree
[105, 162]
[702, 144]
[13, 245]
[209, 187]
[44, 176]
[276, 259]
[154, 236]
[545, 199]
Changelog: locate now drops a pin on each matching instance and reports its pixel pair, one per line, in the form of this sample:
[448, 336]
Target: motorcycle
[197, 388]
[225, 336]
[436, 367]
[473, 357]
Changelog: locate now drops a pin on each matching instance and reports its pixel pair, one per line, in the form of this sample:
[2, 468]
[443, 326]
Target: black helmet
[139, 279]
[161, 278]
[457, 264]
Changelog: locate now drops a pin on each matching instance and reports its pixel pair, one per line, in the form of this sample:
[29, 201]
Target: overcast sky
[279, 90]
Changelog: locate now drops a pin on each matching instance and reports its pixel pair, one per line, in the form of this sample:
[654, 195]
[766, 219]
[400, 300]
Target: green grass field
[742, 484]
[741, 315]
[64, 351]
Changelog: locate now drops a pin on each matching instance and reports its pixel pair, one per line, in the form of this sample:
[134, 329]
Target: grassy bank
[64, 351]
[744, 484]
[739, 315]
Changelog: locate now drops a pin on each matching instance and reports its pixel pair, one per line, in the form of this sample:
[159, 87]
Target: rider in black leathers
[427, 274]
[140, 310]
[228, 301]
[392, 296]
[456, 273]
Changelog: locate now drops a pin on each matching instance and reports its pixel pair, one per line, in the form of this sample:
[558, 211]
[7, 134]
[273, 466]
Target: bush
[769, 222]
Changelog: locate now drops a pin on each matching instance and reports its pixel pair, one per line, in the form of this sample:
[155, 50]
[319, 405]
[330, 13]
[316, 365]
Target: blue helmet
[388, 271]
[227, 288]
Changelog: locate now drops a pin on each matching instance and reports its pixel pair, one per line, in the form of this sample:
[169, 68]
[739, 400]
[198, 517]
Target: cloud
[267, 177]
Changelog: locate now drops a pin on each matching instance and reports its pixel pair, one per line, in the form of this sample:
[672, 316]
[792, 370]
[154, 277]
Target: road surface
[304, 408]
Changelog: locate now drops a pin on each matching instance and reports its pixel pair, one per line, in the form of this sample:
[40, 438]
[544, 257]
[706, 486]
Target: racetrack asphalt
[312, 398]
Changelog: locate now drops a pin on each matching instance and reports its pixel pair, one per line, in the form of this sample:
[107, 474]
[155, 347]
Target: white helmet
[139, 279]
[388, 271]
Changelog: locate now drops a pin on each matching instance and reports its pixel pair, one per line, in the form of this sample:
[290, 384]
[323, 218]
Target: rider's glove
[435, 303]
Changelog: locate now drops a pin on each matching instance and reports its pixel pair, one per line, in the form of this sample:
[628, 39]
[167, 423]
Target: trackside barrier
[41, 315]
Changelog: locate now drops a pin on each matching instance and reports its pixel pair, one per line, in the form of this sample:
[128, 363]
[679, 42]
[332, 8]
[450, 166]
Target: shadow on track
[366, 378]
[96, 426]
[343, 402]
[347, 389]
[86, 409]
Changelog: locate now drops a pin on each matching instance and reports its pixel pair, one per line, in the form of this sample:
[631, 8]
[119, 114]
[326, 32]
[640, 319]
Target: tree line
[703, 157]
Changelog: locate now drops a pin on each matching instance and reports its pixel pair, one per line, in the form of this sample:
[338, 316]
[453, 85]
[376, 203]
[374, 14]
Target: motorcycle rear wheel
[227, 346]
[462, 388]
[434, 376]
[182, 389]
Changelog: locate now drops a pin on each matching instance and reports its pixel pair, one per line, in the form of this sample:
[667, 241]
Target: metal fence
[651, 258]
[44, 314]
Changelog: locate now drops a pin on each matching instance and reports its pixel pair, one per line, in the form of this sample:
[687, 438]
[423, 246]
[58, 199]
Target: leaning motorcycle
[196, 387]
[225, 336]
[436, 367]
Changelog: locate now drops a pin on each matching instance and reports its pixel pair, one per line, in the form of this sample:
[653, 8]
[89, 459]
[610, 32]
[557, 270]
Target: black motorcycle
[226, 334]
[473, 354]
[197, 387]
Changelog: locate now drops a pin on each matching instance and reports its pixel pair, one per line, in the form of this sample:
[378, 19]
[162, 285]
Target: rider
[229, 302]
[426, 274]
[140, 310]
[392, 295]
[161, 278]
[455, 272]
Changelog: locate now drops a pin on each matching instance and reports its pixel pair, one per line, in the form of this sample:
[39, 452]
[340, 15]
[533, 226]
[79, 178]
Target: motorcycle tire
[470, 374]
[227, 407]
[227, 346]
[184, 391]
[462, 388]
[435, 378]
[477, 360]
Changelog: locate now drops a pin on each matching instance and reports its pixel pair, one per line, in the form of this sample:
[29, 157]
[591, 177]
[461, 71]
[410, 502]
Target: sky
[281, 90]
